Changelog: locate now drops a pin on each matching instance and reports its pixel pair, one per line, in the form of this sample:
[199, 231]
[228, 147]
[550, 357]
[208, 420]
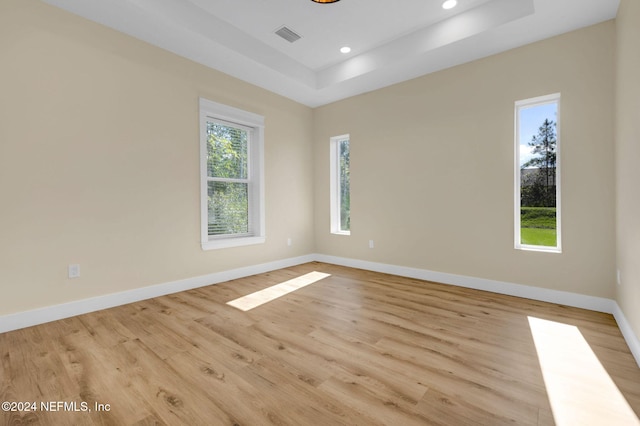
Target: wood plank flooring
[355, 348]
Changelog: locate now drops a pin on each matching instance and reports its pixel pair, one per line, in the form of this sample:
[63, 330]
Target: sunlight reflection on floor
[261, 297]
[580, 390]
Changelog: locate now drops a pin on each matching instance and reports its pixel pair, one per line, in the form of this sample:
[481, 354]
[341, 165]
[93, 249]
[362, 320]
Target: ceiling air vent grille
[288, 34]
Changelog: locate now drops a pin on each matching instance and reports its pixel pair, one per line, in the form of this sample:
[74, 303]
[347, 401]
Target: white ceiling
[391, 41]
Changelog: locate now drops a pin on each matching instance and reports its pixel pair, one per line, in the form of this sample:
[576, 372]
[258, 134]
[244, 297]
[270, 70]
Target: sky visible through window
[530, 121]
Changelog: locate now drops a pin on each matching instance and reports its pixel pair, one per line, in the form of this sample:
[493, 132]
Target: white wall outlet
[371, 245]
[289, 242]
[618, 278]
[74, 270]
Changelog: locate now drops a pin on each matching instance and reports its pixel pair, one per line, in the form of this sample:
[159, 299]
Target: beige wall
[432, 167]
[628, 159]
[99, 162]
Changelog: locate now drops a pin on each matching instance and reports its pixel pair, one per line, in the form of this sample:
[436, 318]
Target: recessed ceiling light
[345, 49]
[449, 4]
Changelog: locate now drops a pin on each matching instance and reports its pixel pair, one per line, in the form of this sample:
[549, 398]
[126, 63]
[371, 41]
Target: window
[340, 185]
[232, 189]
[537, 174]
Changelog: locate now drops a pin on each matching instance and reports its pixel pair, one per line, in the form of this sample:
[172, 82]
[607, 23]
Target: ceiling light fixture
[449, 4]
[324, 1]
[345, 49]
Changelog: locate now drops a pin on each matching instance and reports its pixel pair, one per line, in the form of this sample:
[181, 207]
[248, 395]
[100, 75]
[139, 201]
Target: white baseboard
[66, 310]
[79, 307]
[592, 303]
[627, 332]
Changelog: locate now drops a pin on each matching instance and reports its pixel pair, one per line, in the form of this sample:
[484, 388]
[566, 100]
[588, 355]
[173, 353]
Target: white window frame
[334, 183]
[254, 123]
[527, 103]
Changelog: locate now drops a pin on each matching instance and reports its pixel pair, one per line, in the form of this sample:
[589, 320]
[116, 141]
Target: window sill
[541, 249]
[231, 242]
[341, 233]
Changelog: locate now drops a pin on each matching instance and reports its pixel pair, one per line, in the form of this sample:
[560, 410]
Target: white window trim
[334, 183]
[210, 110]
[540, 100]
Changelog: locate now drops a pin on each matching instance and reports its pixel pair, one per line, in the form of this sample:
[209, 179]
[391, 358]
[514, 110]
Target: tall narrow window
[340, 185]
[231, 169]
[537, 200]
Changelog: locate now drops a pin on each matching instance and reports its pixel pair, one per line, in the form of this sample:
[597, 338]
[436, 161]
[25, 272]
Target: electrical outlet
[371, 245]
[618, 278]
[289, 242]
[74, 270]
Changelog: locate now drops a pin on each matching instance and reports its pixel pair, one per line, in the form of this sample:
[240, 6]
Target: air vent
[288, 34]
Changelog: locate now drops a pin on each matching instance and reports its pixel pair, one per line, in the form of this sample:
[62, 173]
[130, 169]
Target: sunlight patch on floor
[580, 390]
[253, 300]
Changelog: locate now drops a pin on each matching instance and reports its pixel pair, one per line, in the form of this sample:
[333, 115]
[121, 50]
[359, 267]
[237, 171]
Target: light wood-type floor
[355, 348]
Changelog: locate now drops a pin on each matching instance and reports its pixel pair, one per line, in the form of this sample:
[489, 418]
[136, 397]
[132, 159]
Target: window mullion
[230, 180]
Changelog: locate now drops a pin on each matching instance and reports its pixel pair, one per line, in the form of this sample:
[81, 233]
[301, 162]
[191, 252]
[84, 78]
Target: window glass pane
[228, 208]
[345, 190]
[538, 154]
[227, 148]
